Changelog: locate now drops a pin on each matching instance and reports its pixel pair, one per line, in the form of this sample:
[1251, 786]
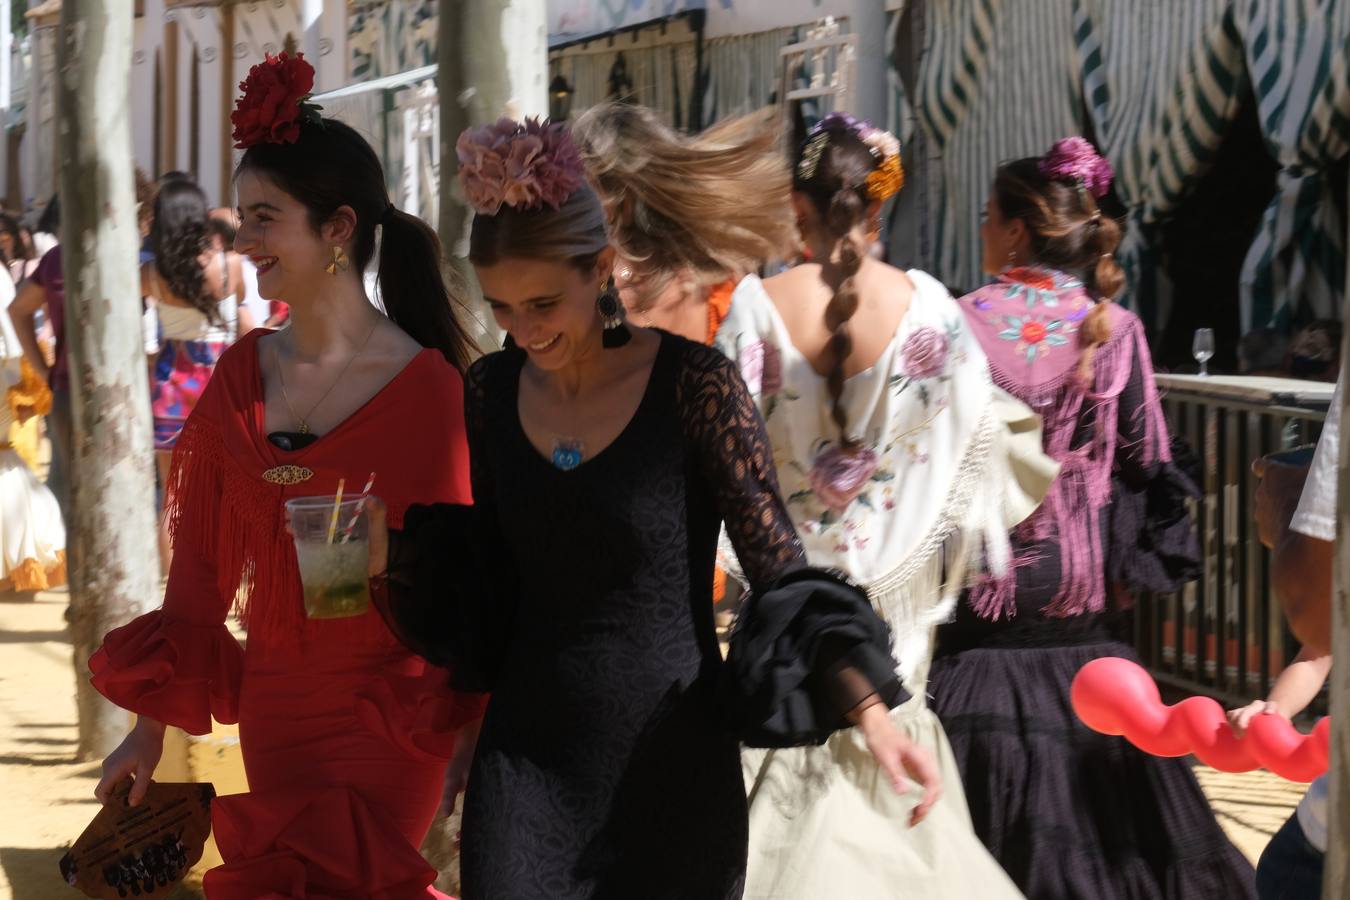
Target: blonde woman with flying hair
[689, 216]
[895, 456]
[692, 219]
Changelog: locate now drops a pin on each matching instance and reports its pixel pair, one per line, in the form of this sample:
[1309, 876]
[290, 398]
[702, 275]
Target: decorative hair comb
[1075, 160]
[885, 180]
[274, 102]
[523, 165]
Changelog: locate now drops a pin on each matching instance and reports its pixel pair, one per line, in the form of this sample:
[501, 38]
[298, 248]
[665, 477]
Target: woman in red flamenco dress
[345, 735]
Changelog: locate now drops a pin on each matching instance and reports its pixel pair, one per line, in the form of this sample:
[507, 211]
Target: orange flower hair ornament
[1116, 696]
[274, 102]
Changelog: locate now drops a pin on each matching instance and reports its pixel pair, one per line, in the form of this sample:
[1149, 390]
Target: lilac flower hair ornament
[523, 165]
[885, 180]
[1074, 159]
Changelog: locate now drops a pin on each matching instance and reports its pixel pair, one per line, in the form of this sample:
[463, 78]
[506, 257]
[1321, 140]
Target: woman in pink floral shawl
[1068, 812]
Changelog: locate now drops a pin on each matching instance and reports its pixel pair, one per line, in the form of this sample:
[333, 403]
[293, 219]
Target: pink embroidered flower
[1074, 159]
[524, 165]
[924, 353]
[762, 368]
[838, 475]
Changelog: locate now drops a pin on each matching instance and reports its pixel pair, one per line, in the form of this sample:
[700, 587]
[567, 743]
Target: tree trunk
[114, 568]
[492, 61]
[1336, 873]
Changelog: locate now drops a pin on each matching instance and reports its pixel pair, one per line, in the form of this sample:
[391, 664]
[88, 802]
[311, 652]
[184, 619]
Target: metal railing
[1224, 635]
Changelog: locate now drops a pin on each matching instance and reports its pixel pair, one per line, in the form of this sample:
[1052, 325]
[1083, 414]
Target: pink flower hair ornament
[523, 165]
[1075, 160]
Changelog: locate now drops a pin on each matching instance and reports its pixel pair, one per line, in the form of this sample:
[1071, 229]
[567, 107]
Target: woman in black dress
[604, 461]
[1069, 813]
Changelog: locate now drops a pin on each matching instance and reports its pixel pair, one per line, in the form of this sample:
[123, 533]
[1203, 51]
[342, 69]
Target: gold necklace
[281, 380]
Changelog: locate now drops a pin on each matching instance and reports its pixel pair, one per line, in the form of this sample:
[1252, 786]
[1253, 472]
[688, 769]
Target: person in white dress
[32, 535]
[900, 464]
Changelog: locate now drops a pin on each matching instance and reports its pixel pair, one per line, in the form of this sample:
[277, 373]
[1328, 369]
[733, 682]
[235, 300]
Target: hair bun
[1074, 159]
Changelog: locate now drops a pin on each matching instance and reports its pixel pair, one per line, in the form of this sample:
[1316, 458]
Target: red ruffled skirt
[345, 753]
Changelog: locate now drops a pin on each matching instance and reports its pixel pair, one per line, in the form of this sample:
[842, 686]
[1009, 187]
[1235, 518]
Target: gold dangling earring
[339, 263]
[1012, 260]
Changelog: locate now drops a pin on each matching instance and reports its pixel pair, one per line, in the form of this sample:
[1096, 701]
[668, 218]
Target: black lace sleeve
[808, 647]
[449, 591]
[726, 434]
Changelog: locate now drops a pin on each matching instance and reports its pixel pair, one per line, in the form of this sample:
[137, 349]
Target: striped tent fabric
[1297, 54]
[742, 70]
[1162, 84]
[1157, 85]
[979, 108]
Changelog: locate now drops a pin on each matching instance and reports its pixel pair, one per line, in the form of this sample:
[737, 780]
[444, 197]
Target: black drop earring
[612, 314]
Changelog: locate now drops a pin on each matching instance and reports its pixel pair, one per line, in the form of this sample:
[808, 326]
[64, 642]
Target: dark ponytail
[331, 166]
[414, 290]
[178, 237]
[836, 185]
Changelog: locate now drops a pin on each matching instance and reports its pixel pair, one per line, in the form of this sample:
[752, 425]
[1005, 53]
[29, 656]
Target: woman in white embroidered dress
[893, 454]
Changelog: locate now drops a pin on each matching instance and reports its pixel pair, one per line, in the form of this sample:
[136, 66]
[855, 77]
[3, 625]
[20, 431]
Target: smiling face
[276, 234]
[547, 306]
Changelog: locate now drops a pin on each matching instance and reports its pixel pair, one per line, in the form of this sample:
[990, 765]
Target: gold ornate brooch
[288, 475]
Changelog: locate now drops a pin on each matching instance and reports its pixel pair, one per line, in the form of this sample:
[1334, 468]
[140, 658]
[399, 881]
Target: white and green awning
[1158, 85]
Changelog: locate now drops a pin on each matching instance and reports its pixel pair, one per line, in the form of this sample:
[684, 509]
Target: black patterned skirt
[1071, 814]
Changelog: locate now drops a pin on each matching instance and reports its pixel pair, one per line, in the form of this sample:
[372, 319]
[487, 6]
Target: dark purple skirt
[1071, 814]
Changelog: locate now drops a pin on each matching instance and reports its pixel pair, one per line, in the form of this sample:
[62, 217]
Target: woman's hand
[136, 756]
[457, 773]
[901, 758]
[1239, 719]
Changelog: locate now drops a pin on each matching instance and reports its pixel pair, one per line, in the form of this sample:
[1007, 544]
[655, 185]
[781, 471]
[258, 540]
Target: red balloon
[1116, 696]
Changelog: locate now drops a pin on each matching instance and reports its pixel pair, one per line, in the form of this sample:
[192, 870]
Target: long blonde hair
[704, 208]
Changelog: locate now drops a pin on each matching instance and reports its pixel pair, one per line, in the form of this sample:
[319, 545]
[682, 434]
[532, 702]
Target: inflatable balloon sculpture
[1116, 696]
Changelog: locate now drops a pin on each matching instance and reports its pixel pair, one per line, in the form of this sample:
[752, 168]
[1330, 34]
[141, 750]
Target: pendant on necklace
[304, 427]
[568, 453]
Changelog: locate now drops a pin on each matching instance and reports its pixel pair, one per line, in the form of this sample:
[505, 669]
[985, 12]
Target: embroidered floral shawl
[1027, 322]
[931, 483]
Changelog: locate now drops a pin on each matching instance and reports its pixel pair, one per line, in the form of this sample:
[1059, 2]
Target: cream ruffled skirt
[826, 823]
[32, 535]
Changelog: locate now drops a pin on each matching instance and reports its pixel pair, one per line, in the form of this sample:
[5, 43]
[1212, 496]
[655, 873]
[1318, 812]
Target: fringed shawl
[228, 484]
[931, 487]
[1027, 322]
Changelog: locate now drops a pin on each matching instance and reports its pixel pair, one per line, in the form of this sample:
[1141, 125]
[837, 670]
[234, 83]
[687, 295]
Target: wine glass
[1202, 348]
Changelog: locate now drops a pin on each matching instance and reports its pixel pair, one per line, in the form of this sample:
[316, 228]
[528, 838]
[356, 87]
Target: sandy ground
[48, 799]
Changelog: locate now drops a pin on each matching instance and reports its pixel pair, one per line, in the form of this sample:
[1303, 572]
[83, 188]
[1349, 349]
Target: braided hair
[831, 170]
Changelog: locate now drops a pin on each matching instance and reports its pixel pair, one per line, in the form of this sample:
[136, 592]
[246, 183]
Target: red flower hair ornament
[274, 102]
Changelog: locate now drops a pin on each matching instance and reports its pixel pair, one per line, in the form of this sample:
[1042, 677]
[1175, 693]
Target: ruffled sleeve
[449, 592]
[808, 648]
[179, 664]
[30, 393]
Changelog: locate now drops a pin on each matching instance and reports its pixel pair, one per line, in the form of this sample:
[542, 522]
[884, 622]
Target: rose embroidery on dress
[924, 358]
[762, 368]
[838, 474]
[924, 353]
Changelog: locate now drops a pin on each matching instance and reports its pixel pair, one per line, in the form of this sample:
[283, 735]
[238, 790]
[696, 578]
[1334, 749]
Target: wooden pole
[114, 566]
[1336, 873]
